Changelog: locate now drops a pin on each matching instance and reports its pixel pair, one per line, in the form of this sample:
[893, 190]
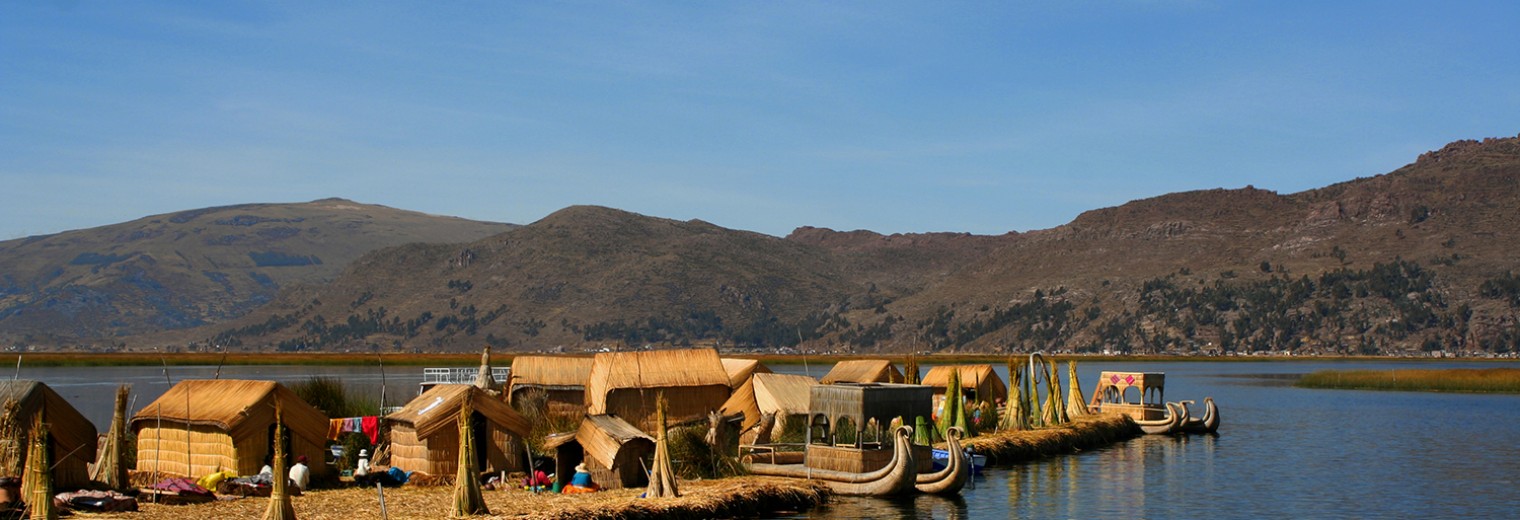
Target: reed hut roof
[981, 378]
[655, 369]
[241, 407]
[769, 393]
[551, 371]
[602, 436]
[863, 371]
[739, 370]
[437, 410]
[70, 429]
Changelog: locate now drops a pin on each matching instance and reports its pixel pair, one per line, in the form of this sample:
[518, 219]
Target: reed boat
[1209, 423]
[1177, 416]
[897, 477]
[957, 470]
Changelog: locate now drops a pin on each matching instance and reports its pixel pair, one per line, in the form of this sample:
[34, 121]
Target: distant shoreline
[83, 359]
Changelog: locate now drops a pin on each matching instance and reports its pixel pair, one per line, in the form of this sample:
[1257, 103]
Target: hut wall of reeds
[425, 433]
[72, 437]
[562, 379]
[625, 384]
[200, 427]
[740, 370]
[981, 379]
[616, 453]
[783, 395]
[863, 371]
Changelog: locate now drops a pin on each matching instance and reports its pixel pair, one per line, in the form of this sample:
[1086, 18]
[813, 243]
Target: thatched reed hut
[562, 379]
[863, 371]
[73, 437]
[626, 384]
[978, 382]
[615, 453]
[778, 395]
[740, 370]
[425, 433]
[849, 421]
[203, 426]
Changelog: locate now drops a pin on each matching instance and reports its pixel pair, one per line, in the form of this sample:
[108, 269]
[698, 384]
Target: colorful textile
[371, 426]
[334, 429]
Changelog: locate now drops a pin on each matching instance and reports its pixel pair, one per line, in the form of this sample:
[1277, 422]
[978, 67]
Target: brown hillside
[193, 267]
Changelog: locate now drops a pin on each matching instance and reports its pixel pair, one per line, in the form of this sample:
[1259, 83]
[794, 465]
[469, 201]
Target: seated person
[581, 482]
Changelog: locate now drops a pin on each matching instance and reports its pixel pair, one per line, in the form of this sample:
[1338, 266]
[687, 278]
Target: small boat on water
[1209, 423]
[942, 459]
[897, 477]
[1141, 396]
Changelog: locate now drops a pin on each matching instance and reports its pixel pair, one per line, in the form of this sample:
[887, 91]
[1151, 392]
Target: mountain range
[1421, 259]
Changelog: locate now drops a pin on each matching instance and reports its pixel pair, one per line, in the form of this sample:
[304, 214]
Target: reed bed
[1458, 380]
[740, 497]
[1082, 433]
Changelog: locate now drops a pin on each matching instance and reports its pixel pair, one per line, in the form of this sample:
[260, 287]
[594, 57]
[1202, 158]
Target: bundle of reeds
[280, 506]
[910, 369]
[1076, 404]
[467, 495]
[13, 445]
[37, 486]
[111, 467]
[954, 413]
[662, 478]
[1015, 416]
[1055, 405]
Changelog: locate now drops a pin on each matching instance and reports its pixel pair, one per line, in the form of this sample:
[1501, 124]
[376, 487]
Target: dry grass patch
[722, 498]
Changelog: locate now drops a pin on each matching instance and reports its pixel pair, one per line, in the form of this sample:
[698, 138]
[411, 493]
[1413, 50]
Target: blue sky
[764, 116]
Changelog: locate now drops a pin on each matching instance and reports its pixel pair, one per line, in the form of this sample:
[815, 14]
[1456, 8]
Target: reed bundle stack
[910, 370]
[863, 371]
[467, 496]
[37, 484]
[111, 468]
[200, 427]
[953, 414]
[280, 506]
[1076, 404]
[662, 478]
[483, 378]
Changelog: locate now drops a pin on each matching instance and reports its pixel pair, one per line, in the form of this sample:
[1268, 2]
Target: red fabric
[371, 426]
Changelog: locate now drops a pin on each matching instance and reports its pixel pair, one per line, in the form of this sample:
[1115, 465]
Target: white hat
[363, 453]
[581, 468]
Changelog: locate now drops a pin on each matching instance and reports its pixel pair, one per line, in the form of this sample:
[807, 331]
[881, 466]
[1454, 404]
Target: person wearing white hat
[361, 469]
[581, 482]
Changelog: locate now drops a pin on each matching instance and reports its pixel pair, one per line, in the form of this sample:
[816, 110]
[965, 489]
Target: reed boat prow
[957, 469]
[1209, 423]
[897, 477]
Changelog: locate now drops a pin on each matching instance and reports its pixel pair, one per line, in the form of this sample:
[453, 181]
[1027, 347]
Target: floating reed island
[1082, 433]
[738, 497]
[1460, 380]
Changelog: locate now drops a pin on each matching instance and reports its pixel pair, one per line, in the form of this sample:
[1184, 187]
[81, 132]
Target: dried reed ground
[723, 498]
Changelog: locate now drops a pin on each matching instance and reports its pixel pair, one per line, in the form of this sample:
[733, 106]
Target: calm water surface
[1281, 452]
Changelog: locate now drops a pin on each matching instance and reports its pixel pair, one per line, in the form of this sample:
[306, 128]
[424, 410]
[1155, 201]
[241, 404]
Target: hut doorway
[481, 429]
[284, 445]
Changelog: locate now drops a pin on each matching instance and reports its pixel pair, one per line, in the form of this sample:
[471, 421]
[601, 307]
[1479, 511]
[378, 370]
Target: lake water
[1281, 452]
